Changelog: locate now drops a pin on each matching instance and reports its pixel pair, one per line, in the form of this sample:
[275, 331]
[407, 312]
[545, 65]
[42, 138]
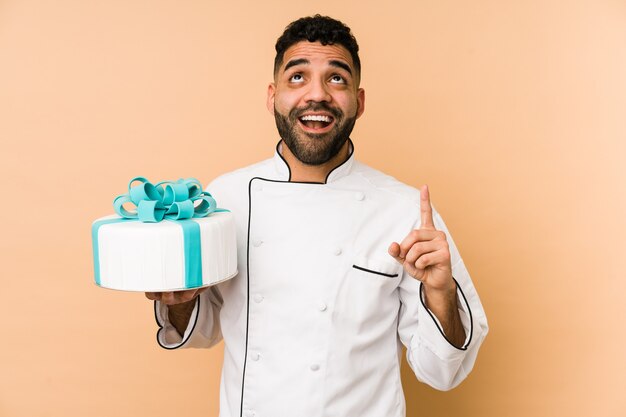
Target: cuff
[167, 335]
[437, 339]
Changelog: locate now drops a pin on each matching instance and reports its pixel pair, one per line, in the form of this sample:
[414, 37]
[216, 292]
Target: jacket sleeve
[203, 330]
[432, 358]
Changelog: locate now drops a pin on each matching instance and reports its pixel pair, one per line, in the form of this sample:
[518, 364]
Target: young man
[339, 264]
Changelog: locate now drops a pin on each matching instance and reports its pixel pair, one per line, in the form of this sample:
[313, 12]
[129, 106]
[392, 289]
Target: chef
[340, 265]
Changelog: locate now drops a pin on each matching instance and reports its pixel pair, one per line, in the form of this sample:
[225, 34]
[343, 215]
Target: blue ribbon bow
[166, 200]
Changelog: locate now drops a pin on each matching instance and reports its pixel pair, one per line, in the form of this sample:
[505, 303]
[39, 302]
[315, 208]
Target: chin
[316, 150]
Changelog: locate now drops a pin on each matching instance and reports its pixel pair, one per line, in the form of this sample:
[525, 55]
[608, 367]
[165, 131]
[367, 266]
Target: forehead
[316, 53]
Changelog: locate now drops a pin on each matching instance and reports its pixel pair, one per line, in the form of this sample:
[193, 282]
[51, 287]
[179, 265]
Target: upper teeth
[316, 118]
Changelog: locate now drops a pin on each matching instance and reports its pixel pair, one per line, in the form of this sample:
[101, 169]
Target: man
[339, 264]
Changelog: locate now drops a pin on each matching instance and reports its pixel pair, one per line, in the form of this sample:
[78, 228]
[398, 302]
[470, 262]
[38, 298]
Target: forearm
[179, 315]
[444, 305]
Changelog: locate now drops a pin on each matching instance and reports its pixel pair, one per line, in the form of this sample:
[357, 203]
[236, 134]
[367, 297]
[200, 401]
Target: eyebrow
[342, 65]
[332, 63]
[295, 62]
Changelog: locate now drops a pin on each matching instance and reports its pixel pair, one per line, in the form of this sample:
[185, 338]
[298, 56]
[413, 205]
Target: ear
[271, 92]
[360, 101]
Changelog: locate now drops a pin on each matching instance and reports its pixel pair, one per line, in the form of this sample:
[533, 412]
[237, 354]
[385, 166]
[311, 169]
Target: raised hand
[425, 255]
[424, 252]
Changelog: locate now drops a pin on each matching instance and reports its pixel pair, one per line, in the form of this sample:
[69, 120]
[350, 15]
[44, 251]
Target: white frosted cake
[167, 255]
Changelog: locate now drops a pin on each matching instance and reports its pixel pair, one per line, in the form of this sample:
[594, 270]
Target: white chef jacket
[315, 320]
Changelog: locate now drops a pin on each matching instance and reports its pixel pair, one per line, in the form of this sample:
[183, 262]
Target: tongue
[313, 124]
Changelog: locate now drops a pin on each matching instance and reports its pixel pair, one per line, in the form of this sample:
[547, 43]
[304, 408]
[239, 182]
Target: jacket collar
[340, 171]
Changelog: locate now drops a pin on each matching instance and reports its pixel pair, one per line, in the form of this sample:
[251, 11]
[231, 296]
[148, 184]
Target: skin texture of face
[315, 100]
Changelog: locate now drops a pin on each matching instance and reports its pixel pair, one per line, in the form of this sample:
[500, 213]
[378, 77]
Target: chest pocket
[383, 269]
[368, 298]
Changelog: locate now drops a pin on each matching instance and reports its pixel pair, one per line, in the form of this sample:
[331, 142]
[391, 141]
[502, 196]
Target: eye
[337, 79]
[296, 78]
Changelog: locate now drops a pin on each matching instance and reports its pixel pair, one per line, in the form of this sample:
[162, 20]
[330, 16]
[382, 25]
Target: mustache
[299, 111]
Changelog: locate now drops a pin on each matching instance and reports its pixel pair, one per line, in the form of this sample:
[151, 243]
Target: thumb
[394, 251]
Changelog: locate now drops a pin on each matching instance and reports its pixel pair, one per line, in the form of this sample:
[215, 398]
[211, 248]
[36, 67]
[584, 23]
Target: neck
[301, 172]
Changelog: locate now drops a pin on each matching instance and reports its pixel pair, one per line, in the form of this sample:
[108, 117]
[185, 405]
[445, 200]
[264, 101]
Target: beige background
[512, 111]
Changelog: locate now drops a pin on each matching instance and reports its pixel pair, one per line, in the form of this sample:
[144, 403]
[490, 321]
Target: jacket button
[359, 196]
[337, 251]
[315, 367]
[256, 356]
[257, 242]
[322, 306]
[258, 298]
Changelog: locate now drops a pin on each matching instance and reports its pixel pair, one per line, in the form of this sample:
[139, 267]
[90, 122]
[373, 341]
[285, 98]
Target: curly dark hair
[318, 28]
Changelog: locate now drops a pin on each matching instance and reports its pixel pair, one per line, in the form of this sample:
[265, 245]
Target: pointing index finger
[426, 211]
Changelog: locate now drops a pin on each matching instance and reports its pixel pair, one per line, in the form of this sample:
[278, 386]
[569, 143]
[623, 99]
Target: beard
[311, 148]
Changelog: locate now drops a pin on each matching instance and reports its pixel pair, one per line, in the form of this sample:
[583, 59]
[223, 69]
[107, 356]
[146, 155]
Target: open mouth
[317, 123]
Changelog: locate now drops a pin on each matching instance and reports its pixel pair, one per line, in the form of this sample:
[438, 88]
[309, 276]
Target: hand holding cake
[172, 298]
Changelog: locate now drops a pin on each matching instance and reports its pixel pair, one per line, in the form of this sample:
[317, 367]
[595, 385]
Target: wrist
[441, 299]
[445, 291]
[184, 306]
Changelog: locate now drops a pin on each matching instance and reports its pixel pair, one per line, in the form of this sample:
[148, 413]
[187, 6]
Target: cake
[169, 243]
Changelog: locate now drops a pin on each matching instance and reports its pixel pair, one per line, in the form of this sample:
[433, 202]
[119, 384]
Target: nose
[317, 92]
